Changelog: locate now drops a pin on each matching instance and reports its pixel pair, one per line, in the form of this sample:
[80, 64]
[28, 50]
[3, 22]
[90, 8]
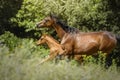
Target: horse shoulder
[67, 39]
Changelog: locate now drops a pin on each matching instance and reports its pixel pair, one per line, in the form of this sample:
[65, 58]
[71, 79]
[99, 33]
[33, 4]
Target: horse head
[47, 22]
[41, 40]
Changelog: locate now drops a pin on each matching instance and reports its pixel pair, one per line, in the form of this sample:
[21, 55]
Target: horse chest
[67, 40]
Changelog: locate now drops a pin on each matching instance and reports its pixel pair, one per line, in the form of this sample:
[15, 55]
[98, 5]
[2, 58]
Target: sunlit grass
[22, 64]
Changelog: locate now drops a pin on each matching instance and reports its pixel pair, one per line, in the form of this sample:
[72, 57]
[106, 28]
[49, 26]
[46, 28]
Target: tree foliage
[83, 14]
[8, 9]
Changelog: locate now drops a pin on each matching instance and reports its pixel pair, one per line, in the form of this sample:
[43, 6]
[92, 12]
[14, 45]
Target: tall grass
[22, 64]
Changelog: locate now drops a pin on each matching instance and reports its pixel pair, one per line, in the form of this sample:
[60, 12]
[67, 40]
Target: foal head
[41, 40]
[47, 22]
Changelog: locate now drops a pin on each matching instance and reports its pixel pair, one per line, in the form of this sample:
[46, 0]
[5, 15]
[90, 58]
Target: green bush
[9, 40]
[83, 14]
[29, 14]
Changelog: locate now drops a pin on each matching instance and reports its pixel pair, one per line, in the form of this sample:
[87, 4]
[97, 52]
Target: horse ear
[44, 35]
[51, 15]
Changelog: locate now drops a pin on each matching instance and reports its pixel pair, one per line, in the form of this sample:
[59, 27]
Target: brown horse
[80, 43]
[55, 47]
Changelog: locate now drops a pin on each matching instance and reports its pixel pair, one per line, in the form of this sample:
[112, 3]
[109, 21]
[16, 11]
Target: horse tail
[118, 39]
[117, 51]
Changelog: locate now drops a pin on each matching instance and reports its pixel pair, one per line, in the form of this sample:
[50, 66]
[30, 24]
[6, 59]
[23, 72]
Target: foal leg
[49, 57]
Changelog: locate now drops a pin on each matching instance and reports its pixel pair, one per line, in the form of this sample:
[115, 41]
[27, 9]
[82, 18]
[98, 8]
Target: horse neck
[51, 43]
[59, 30]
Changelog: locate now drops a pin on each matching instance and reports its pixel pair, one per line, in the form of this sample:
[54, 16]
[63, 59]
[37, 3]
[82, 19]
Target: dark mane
[65, 27]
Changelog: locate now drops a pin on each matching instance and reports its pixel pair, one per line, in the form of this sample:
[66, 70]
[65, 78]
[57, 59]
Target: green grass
[22, 64]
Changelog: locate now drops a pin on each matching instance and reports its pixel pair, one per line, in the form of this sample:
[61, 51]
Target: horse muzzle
[40, 24]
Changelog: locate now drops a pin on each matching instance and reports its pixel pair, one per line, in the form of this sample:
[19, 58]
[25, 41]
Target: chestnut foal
[55, 47]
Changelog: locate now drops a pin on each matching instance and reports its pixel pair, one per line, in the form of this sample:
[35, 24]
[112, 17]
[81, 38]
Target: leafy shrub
[29, 14]
[9, 40]
[83, 14]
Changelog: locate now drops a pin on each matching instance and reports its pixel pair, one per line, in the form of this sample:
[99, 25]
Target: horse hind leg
[108, 58]
[78, 58]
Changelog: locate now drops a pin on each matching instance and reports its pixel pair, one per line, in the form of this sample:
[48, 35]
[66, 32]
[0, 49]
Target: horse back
[94, 41]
